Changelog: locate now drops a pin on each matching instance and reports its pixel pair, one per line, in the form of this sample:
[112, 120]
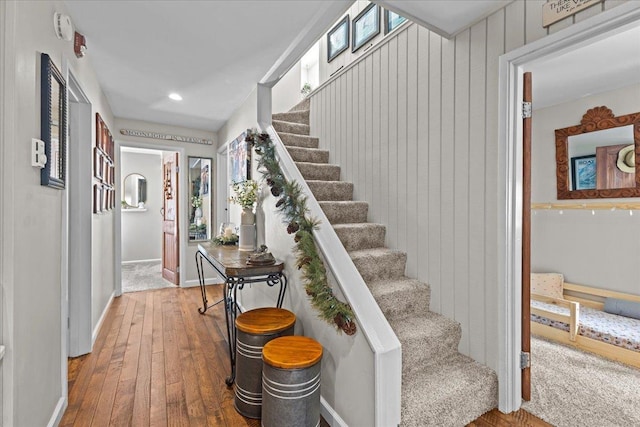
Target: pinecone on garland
[349, 328]
[280, 202]
[293, 227]
[276, 192]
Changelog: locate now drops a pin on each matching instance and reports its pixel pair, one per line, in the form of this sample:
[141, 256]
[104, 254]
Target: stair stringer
[370, 320]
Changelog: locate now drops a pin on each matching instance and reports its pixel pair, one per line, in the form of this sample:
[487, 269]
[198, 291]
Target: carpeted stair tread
[299, 116]
[305, 104]
[345, 212]
[379, 263]
[295, 140]
[426, 339]
[319, 171]
[360, 236]
[331, 190]
[452, 393]
[311, 155]
[290, 127]
[401, 297]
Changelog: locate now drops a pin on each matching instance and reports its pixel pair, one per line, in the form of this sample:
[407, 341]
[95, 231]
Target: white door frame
[512, 66]
[78, 218]
[7, 188]
[182, 207]
[222, 193]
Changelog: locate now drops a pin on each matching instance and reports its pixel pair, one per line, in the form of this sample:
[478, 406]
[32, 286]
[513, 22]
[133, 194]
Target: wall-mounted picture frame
[239, 159]
[338, 39]
[583, 172]
[97, 163]
[365, 26]
[97, 198]
[53, 123]
[392, 21]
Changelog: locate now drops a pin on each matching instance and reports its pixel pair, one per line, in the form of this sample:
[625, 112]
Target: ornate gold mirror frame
[595, 119]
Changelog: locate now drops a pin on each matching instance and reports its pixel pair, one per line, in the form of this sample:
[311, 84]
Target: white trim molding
[96, 330]
[512, 66]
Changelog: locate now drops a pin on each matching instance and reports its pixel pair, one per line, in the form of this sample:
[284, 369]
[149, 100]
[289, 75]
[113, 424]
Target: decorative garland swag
[293, 207]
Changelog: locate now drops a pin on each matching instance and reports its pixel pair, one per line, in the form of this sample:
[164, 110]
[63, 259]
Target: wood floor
[158, 362]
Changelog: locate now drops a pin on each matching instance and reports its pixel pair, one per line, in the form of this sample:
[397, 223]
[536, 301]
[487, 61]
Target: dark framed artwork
[392, 21]
[365, 26]
[97, 163]
[583, 172]
[97, 198]
[240, 159]
[53, 123]
[338, 39]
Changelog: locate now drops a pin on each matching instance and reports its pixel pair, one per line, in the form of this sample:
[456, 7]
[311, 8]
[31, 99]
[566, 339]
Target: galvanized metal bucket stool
[256, 328]
[291, 382]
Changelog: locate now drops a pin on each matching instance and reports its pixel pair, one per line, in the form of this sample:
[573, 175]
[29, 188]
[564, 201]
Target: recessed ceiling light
[175, 96]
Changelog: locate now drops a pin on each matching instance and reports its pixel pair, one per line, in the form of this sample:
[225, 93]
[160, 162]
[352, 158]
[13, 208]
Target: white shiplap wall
[414, 125]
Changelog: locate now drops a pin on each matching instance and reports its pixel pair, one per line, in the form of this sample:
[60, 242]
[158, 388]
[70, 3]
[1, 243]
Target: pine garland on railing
[293, 207]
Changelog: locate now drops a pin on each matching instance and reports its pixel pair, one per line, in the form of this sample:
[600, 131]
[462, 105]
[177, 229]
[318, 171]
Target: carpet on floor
[143, 276]
[571, 388]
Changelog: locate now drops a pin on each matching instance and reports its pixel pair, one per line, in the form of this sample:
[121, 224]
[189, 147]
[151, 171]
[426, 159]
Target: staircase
[440, 387]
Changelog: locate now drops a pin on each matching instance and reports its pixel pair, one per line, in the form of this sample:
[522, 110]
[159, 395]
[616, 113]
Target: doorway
[143, 192]
[512, 66]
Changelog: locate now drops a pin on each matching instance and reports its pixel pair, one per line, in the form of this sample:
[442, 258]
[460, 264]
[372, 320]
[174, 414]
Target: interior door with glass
[170, 237]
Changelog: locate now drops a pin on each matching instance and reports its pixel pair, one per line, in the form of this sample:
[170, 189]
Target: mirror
[135, 191]
[200, 198]
[596, 159]
[53, 123]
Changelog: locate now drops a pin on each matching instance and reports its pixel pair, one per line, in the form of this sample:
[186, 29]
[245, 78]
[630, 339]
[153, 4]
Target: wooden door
[526, 235]
[608, 174]
[170, 242]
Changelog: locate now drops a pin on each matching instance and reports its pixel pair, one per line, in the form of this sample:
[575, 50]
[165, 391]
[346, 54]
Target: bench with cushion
[583, 317]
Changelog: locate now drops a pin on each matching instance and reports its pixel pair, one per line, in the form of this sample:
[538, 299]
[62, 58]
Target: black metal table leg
[203, 291]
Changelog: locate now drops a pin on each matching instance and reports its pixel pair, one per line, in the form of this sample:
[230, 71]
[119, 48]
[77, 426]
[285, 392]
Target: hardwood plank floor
[158, 362]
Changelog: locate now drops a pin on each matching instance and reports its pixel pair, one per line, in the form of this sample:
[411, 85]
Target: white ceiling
[210, 52]
[605, 65]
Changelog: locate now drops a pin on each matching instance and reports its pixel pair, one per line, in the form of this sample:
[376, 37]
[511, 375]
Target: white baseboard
[94, 335]
[196, 282]
[56, 417]
[330, 415]
[141, 260]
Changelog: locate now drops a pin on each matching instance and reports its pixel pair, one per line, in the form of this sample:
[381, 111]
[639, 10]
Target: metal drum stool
[255, 329]
[291, 382]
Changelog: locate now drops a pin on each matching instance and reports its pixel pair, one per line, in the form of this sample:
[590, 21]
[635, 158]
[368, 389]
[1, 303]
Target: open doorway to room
[144, 193]
[576, 224]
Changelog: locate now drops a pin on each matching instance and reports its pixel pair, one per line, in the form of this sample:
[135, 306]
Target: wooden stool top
[292, 352]
[265, 320]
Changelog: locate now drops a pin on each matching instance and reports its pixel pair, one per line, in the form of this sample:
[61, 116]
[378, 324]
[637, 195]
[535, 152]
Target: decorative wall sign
[556, 10]
[165, 136]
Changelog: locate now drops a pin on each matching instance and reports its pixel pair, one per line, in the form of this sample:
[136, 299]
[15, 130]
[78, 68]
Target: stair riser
[410, 302]
[287, 127]
[301, 117]
[305, 104]
[293, 140]
[319, 172]
[381, 267]
[345, 213]
[361, 238]
[308, 155]
[331, 191]
[420, 352]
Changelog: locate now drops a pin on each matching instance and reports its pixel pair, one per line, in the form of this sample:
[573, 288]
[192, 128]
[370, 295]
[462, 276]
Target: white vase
[247, 217]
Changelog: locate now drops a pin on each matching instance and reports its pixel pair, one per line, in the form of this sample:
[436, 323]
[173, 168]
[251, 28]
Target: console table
[231, 264]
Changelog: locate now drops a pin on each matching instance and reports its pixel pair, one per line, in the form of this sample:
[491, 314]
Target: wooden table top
[232, 262]
[292, 352]
[265, 321]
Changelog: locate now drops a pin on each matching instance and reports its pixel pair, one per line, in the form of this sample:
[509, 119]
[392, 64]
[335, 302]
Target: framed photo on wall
[583, 172]
[392, 21]
[239, 159]
[338, 39]
[365, 26]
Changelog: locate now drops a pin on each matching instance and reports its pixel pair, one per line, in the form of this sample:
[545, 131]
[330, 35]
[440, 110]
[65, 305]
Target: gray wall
[598, 250]
[31, 260]
[142, 231]
[414, 125]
